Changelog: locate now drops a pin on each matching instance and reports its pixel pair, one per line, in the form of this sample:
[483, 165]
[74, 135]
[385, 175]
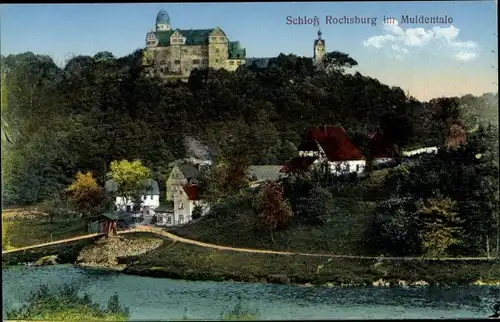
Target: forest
[98, 109]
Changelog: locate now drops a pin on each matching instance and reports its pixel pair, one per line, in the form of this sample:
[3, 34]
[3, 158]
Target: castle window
[177, 62]
[196, 61]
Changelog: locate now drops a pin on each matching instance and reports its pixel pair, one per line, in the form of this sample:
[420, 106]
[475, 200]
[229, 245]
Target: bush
[65, 304]
[240, 312]
[197, 211]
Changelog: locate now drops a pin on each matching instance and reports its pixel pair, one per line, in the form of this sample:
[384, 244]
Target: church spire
[319, 33]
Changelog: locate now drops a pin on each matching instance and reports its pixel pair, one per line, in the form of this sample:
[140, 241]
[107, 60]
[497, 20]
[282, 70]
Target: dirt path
[162, 232]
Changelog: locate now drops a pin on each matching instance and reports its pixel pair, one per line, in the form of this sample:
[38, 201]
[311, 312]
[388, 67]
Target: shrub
[197, 211]
[240, 312]
[65, 304]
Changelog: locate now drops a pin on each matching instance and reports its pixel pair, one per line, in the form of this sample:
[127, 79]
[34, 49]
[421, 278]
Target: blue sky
[426, 59]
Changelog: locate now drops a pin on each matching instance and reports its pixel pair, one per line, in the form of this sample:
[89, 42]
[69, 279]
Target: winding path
[162, 232]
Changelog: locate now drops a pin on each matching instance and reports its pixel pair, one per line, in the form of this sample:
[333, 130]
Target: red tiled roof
[334, 141]
[298, 164]
[191, 191]
[381, 147]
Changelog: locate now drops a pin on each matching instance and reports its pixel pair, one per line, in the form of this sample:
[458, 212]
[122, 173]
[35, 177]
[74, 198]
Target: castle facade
[174, 53]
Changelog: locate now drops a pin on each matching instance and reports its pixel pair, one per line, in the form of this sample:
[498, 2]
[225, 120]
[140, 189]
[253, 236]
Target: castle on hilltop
[174, 53]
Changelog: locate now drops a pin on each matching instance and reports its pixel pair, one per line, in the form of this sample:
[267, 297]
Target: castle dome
[162, 18]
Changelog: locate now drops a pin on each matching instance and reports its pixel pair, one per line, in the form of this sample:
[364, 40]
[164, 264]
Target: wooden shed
[109, 223]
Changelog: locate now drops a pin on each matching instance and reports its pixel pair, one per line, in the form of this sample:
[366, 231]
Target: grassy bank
[27, 226]
[234, 222]
[182, 261]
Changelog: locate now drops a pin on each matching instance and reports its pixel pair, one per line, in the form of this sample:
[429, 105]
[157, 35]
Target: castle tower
[319, 49]
[163, 21]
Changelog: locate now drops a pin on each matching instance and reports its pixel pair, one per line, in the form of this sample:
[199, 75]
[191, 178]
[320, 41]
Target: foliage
[5, 235]
[102, 108]
[6, 135]
[66, 304]
[273, 209]
[197, 212]
[86, 196]
[441, 226]
[128, 176]
[240, 312]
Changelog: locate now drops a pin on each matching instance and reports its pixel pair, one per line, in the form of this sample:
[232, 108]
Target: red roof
[334, 141]
[298, 164]
[191, 191]
[381, 147]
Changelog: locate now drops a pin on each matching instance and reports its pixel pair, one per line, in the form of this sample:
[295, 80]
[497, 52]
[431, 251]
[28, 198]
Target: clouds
[400, 42]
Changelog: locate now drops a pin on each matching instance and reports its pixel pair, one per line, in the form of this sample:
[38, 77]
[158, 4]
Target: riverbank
[147, 254]
[190, 262]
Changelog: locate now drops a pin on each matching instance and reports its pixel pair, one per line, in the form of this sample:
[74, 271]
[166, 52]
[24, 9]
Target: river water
[166, 299]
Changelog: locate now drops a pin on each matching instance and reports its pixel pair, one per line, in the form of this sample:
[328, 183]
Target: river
[166, 299]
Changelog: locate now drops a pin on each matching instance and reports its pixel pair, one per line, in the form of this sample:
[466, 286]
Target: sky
[438, 58]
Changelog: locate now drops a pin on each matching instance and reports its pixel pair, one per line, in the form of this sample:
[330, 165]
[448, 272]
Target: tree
[441, 226]
[274, 210]
[338, 61]
[6, 135]
[128, 176]
[197, 212]
[87, 197]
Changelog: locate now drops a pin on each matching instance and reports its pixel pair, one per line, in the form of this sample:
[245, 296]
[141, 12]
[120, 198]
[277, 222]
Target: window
[169, 220]
[177, 62]
[221, 38]
[231, 62]
[196, 61]
[161, 70]
[217, 50]
[184, 50]
[204, 61]
[348, 167]
[357, 167]
[239, 62]
[217, 60]
[181, 219]
[213, 38]
[181, 205]
[162, 62]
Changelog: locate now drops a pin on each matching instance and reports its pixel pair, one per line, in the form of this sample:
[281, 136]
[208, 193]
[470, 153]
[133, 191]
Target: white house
[329, 148]
[149, 192]
[185, 201]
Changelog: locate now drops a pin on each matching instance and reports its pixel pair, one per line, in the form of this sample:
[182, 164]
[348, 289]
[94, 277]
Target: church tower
[319, 49]
[163, 21]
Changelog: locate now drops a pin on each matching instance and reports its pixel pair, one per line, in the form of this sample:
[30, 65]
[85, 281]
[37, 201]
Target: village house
[149, 193]
[329, 148]
[185, 201]
[182, 174]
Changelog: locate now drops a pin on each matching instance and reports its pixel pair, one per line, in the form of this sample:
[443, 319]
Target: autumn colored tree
[128, 176]
[441, 226]
[86, 196]
[274, 211]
